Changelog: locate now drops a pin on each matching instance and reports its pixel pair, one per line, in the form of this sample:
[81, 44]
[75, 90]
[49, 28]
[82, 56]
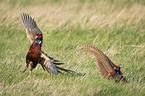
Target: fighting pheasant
[107, 68]
[35, 55]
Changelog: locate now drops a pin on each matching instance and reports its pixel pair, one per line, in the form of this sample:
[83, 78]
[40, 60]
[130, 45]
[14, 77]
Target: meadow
[117, 27]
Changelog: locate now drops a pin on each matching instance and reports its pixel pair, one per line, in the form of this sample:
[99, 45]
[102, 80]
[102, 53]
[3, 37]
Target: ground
[115, 26]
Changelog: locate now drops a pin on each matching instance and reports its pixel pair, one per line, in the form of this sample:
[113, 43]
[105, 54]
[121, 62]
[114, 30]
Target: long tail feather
[59, 71]
[66, 70]
[54, 60]
[52, 65]
[57, 63]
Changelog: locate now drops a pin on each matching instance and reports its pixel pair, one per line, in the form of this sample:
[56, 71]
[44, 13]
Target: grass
[115, 27]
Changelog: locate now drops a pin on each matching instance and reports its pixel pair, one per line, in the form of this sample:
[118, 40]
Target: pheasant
[107, 68]
[35, 55]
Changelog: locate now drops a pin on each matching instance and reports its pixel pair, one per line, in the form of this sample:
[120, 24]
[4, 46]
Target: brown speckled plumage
[105, 65]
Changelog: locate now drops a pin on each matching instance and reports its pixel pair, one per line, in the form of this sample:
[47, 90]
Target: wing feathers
[28, 21]
[66, 70]
[103, 71]
[91, 47]
[30, 26]
[101, 54]
[100, 58]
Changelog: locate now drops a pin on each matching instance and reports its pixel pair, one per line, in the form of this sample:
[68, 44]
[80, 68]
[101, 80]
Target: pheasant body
[107, 67]
[35, 55]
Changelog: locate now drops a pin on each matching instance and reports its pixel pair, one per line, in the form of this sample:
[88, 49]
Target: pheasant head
[38, 38]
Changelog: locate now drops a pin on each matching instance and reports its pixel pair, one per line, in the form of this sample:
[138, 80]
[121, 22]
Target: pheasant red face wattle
[39, 36]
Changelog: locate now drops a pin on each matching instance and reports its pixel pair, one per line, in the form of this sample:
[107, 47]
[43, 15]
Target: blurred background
[117, 27]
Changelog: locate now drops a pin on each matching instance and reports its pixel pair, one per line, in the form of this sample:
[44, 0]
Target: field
[117, 27]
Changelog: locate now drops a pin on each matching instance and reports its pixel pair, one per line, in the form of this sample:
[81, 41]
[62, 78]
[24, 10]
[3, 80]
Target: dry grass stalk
[69, 33]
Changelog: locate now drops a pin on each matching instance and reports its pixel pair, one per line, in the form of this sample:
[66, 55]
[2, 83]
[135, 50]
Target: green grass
[115, 26]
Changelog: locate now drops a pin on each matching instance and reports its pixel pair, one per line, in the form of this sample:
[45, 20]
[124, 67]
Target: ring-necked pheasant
[107, 67]
[35, 55]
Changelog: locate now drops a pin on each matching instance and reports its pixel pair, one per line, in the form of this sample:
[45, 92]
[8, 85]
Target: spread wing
[102, 61]
[30, 26]
[105, 65]
[52, 66]
[98, 51]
